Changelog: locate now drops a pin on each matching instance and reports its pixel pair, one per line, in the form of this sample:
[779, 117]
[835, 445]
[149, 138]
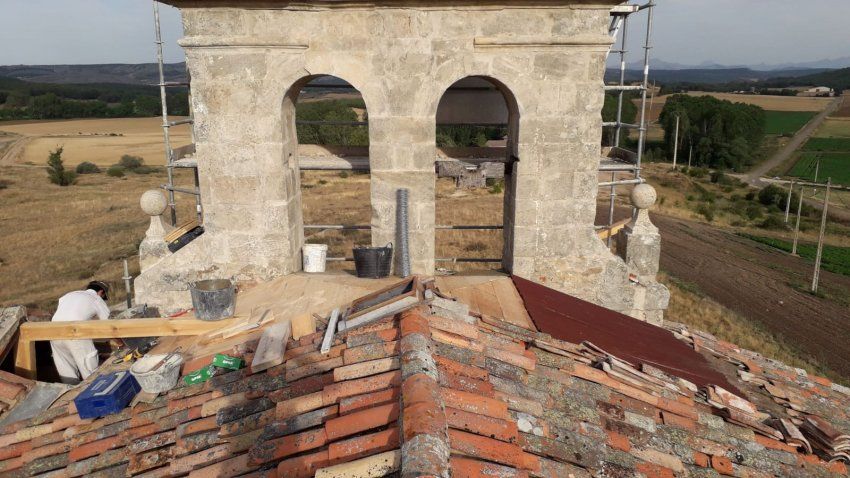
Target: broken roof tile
[455, 393]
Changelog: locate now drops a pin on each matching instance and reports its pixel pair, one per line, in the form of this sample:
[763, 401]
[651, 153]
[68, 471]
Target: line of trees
[723, 135]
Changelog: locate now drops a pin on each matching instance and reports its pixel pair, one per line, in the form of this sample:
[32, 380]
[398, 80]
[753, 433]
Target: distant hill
[711, 75]
[823, 63]
[137, 74]
[835, 79]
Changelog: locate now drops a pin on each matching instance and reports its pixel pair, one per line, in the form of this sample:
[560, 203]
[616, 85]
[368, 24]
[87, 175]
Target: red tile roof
[431, 392]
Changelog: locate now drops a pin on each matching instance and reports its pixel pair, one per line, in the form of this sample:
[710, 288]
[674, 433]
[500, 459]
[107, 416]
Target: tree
[56, 169]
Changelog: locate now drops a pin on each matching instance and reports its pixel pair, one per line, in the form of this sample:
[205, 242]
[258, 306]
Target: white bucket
[160, 380]
[314, 257]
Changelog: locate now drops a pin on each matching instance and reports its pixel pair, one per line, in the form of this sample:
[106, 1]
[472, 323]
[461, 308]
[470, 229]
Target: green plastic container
[226, 361]
[199, 376]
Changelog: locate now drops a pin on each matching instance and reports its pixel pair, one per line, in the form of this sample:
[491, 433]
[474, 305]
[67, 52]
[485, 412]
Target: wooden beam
[32, 332]
[615, 228]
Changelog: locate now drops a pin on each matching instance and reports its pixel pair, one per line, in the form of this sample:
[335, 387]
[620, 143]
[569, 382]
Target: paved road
[754, 176]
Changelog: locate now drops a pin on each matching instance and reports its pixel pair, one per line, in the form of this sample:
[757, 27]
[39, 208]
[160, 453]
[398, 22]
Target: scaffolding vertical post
[162, 93]
[797, 225]
[647, 46]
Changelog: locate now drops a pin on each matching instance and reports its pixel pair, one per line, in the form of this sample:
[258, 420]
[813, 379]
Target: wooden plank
[486, 299]
[303, 324]
[123, 328]
[272, 346]
[328, 339]
[513, 308]
[32, 332]
[374, 314]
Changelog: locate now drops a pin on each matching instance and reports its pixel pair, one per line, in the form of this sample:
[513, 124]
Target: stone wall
[247, 67]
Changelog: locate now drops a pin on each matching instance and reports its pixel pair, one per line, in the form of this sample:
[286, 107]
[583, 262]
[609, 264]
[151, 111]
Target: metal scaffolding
[174, 156]
[619, 26]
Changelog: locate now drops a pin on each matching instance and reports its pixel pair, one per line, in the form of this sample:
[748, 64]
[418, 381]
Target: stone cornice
[209, 41]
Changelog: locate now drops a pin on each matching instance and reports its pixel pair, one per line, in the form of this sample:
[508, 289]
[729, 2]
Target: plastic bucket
[314, 257]
[373, 262]
[163, 379]
[213, 299]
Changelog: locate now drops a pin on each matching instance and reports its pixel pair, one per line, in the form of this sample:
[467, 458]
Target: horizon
[719, 32]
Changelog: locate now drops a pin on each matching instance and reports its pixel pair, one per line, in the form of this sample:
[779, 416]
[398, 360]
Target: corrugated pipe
[402, 232]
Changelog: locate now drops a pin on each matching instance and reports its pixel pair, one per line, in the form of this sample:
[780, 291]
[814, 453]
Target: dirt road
[753, 177]
[762, 284]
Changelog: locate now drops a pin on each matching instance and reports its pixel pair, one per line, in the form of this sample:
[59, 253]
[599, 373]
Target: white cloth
[77, 359]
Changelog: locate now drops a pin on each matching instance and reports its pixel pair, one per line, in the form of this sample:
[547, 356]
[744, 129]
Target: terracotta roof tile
[474, 396]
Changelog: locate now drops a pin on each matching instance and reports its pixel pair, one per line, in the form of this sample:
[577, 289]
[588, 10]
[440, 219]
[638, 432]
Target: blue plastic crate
[108, 394]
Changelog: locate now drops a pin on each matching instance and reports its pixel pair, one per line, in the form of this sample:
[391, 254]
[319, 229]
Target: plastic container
[107, 394]
[373, 262]
[213, 299]
[163, 379]
[314, 257]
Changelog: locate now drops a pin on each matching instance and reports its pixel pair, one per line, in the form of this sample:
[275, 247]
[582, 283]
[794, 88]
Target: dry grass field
[770, 103]
[100, 141]
[54, 239]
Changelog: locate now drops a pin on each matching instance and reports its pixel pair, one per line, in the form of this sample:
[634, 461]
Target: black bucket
[373, 262]
[213, 299]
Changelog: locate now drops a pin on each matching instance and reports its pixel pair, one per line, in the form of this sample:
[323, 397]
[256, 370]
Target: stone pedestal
[153, 247]
[639, 244]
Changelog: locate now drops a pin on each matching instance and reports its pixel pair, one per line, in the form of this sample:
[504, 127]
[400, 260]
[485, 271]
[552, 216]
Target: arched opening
[329, 136]
[477, 132]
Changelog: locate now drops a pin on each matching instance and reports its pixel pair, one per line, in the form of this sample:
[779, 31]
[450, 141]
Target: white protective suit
[77, 359]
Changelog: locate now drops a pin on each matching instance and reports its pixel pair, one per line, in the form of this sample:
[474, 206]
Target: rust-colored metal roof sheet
[574, 320]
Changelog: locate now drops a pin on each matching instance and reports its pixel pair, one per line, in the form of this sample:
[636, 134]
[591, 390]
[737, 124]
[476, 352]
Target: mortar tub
[161, 380]
[213, 299]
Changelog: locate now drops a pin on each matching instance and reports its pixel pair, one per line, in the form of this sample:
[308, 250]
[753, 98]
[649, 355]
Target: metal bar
[339, 259]
[622, 82]
[621, 182]
[127, 285]
[617, 167]
[171, 84]
[466, 259]
[337, 226]
[168, 154]
[179, 122]
[617, 124]
[613, 198]
[622, 87]
[647, 46]
[173, 189]
[483, 125]
[470, 228]
[334, 123]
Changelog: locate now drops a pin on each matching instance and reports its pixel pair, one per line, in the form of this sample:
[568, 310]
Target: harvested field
[844, 111]
[54, 239]
[770, 103]
[100, 141]
[834, 128]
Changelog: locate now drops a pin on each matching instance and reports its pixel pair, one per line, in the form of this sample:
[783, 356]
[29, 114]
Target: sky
[730, 32]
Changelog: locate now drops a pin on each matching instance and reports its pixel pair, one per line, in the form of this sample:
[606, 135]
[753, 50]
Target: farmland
[100, 141]
[786, 122]
[766, 102]
[833, 258]
[827, 144]
[832, 165]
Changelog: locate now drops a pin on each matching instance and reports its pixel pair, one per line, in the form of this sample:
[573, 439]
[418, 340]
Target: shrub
[718, 177]
[343, 174]
[753, 212]
[496, 185]
[750, 196]
[131, 162]
[774, 221]
[115, 171]
[707, 211]
[144, 169]
[322, 182]
[475, 246]
[87, 168]
[772, 195]
[4, 183]
[56, 169]
[697, 172]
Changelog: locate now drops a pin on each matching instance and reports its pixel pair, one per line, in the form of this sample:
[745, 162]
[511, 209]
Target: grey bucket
[213, 299]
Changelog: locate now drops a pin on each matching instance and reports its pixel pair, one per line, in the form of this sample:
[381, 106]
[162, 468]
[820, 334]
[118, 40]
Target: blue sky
[686, 31]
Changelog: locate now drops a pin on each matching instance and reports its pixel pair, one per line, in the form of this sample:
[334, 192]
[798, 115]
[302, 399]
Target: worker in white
[77, 359]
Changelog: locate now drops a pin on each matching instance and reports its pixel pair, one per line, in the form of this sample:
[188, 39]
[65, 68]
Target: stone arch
[484, 104]
[323, 193]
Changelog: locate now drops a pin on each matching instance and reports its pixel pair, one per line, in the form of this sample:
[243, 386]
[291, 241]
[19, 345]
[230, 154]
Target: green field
[786, 122]
[834, 259]
[832, 165]
[827, 144]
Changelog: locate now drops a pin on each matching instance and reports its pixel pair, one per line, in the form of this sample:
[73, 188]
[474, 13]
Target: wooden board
[490, 294]
[272, 346]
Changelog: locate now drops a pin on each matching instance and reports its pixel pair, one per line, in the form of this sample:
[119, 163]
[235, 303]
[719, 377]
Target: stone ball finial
[643, 196]
[153, 202]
